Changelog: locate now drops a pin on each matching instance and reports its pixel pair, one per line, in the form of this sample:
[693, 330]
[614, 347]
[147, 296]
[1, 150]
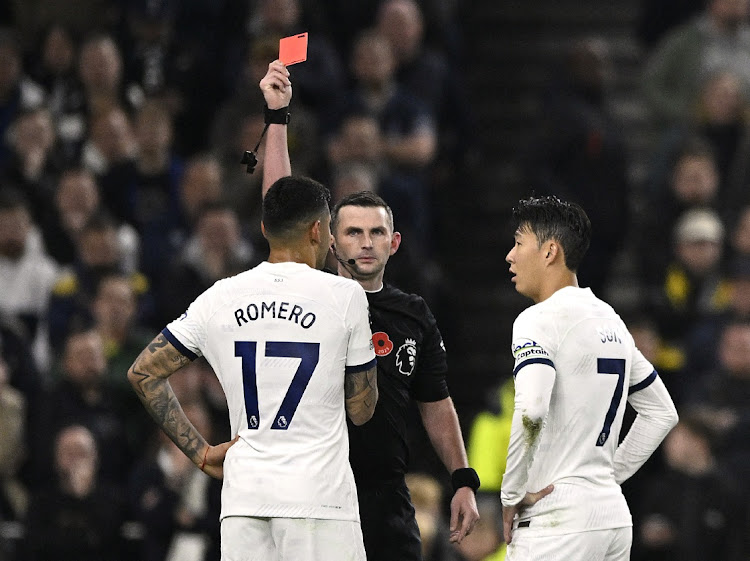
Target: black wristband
[465, 477]
[276, 116]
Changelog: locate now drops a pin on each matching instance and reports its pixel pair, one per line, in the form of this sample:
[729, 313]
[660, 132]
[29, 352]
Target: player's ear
[316, 231]
[263, 229]
[553, 251]
[395, 242]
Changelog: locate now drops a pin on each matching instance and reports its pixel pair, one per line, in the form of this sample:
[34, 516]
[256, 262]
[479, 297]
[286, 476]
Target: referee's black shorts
[389, 527]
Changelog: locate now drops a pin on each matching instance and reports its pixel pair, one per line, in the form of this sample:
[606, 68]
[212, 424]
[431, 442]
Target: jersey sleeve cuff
[361, 367]
[169, 336]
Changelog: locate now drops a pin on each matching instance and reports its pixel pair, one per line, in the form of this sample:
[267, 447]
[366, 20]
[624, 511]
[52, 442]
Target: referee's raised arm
[277, 91]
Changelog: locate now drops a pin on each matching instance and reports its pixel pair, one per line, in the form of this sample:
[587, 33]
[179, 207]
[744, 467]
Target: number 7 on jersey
[611, 366]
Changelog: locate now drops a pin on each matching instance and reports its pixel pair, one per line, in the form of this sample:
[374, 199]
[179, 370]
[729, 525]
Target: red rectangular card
[293, 49]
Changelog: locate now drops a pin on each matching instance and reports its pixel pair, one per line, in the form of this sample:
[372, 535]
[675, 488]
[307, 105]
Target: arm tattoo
[148, 376]
[159, 343]
[361, 391]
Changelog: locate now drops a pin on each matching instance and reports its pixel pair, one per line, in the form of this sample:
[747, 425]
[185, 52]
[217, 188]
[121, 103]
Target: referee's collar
[376, 291]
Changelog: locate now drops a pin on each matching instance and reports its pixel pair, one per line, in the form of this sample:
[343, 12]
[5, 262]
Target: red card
[293, 49]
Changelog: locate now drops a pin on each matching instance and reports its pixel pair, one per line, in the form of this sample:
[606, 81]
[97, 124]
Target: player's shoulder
[562, 304]
[537, 313]
[337, 286]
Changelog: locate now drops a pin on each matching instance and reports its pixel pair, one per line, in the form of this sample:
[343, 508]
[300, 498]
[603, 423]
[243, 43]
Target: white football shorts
[245, 538]
[594, 545]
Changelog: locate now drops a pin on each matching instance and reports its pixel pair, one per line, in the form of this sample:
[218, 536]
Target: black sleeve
[429, 382]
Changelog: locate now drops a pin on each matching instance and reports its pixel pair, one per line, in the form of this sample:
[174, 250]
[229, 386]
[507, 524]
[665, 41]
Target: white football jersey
[280, 338]
[596, 364]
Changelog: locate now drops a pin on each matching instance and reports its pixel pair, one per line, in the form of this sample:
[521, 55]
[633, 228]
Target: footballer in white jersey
[280, 338]
[292, 348]
[576, 365]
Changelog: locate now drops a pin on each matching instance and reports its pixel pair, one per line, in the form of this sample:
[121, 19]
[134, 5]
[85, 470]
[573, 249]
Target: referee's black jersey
[411, 364]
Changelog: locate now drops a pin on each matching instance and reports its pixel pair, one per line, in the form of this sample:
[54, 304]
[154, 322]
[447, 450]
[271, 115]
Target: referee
[411, 365]
[411, 362]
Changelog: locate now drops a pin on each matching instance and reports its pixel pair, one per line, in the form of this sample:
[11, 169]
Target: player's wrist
[278, 116]
[465, 477]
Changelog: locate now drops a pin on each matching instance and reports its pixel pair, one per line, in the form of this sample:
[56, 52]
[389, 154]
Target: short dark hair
[361, 198]
[550, 218]
[292, 202]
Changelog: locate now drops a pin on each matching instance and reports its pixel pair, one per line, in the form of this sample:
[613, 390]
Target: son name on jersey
[274, 310]
[609, 334]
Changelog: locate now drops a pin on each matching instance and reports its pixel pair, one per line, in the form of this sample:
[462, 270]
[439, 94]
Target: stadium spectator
[216, 250]
[720, 119]
[98, 254]
[75, 516]
[55, 71]
[154, 198]
[693, 285]
[175, 65]
[114, 310]
[201, 183]
[700, 341]
[109, 153]
[358, 144]
[27, 273]
[100, 72]
[407, 129]
[669, 358]
[717, 39]
[693, 182]
[76, 201]
[426, 74]
[693, 510]
[34, 163]
[18, 92]
[82, 396]
[724, 394]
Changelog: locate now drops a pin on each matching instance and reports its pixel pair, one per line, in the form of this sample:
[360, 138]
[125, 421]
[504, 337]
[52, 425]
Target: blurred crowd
[122, 197]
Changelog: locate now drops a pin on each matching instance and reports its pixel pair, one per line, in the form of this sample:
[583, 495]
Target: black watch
[276, 116]
[465, 477]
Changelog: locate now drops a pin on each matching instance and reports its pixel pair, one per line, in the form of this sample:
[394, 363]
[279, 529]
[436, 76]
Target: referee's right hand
[276, 87]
